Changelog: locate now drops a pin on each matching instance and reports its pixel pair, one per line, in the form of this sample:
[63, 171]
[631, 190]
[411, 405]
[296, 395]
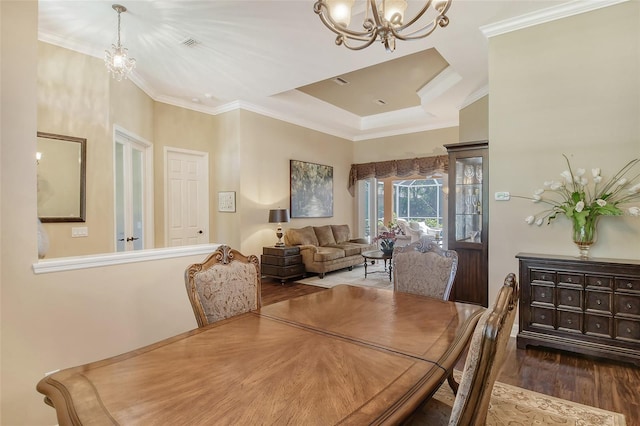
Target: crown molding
[438, 85]
[553, 13]
[406, 130]
[475, 96]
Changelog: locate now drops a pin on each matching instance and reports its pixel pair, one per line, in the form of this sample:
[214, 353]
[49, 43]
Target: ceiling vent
[189, 42]
[340, 81]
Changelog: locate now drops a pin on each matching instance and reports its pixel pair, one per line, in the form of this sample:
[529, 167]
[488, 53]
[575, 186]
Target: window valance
[425, 166]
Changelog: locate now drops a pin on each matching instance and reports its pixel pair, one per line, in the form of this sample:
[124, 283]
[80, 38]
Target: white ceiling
[254, 54]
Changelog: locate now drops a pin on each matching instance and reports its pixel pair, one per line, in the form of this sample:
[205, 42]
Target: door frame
[205, 157]
[120, 133]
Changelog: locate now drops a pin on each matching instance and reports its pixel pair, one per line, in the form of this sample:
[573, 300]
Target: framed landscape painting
[311, 189]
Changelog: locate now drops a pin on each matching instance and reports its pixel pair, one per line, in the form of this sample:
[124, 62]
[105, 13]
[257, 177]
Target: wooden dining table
[347, 355]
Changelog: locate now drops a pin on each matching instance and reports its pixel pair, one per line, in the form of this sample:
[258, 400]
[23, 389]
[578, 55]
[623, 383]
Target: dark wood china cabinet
[468, 219]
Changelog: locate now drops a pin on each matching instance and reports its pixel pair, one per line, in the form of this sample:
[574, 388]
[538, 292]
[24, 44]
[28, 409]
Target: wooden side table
[282, 263]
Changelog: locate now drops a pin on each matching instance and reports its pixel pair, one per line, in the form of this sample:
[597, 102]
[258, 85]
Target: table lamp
[278, 216]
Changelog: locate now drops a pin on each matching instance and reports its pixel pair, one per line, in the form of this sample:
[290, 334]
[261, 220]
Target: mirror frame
[83, 177]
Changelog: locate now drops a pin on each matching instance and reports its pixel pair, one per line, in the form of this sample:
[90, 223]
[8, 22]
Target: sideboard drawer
[570, 321]
[541, 317]
[543, 276]
[542, 294]
[629, 284]
[599, 282]
[569, 298]
[628, 330]
[627, 305]
[598, 301]
[572, 279]
[597, 325]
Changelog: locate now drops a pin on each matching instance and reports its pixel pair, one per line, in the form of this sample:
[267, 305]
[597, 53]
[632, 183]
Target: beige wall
[226, 177]
[76, 97]
[474, 121]
[412, 145]
[73, 100]
[266, 148]
[565, 87]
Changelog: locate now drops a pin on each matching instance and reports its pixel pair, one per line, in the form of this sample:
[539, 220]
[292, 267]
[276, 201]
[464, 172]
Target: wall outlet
[502, 196]
[79, 231]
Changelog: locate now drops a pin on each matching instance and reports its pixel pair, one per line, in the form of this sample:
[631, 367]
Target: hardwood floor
[607, 385]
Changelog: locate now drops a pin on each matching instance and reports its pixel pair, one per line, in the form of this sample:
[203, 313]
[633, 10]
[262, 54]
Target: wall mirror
[61, 177]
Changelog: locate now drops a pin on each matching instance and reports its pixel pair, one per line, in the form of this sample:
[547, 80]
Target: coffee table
[371, 256]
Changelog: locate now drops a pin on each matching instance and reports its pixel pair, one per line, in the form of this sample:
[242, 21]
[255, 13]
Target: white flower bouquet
[577, 197]
[584, 200]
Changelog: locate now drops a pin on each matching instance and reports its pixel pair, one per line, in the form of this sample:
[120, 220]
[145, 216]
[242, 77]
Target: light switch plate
[79, 231]
[502, 196]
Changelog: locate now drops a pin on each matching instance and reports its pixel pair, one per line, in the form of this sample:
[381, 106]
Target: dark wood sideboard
[587, 306]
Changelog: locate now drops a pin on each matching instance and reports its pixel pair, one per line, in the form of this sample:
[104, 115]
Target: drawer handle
[599, 302]
[543, 317]
[543, 295]
[544, 277]
[598, 282]
[629, 306]
[628, 331]
[629, 285]
[598, 325]
[570, 298]
[569, 321]
[569, 280]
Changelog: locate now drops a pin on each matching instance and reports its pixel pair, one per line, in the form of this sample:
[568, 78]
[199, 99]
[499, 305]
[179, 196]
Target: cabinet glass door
[468, 187]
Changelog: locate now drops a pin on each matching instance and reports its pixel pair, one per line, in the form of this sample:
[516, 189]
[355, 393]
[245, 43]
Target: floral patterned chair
[484, 360]
[227, 283]
[424, 268]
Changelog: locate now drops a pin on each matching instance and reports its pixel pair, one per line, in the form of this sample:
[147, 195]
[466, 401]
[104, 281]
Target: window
[410, 199]
[418, 200]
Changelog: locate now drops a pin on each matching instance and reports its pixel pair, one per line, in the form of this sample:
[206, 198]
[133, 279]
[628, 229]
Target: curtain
[425, 166]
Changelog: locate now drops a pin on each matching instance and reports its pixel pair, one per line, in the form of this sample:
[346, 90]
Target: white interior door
[187, 197]
[133, 212]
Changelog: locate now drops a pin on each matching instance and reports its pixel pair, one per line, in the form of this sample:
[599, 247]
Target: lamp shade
[278, 215]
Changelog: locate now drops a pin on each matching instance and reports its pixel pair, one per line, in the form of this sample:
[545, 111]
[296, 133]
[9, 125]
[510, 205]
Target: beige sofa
[327, 248]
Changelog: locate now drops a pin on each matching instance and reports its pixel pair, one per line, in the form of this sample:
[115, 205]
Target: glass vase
[386, 247]
[584, 235]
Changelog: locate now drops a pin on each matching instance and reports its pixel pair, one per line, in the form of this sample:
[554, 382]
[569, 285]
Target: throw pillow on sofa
[340, 233]
[324, 235]
[302, 236]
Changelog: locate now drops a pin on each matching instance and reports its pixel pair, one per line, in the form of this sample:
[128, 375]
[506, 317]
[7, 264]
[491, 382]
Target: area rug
[376, 277]
[511, 405]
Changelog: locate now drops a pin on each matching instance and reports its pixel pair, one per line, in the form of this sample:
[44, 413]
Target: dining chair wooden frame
[483, 363]
[485, 357]
[225, 284]
[424, 268]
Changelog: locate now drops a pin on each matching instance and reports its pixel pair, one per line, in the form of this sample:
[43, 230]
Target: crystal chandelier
[383, 20]
[116, 59]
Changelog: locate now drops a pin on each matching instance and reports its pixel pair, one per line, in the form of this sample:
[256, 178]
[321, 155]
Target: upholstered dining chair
[424, 268]
[481, 368]
[227, 283]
